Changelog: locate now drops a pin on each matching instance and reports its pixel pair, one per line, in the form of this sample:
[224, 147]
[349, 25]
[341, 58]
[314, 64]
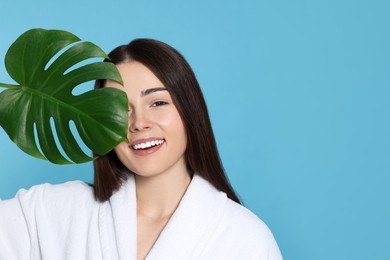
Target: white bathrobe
[64, 221]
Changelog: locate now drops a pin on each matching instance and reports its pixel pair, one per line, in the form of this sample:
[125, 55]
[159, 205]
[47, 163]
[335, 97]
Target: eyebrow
[151, 90]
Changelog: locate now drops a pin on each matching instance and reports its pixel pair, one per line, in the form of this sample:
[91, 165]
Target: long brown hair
[175, 73]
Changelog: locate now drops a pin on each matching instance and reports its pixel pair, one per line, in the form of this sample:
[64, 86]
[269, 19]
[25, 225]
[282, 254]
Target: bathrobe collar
[186, 233]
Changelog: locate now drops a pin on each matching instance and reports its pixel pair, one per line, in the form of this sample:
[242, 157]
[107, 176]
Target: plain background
[299, 97]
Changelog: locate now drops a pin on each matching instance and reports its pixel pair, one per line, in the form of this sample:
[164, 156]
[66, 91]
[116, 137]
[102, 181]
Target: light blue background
[299, 97]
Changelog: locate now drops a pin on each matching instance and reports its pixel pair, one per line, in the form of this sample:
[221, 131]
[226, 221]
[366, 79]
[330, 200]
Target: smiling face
[156, 136]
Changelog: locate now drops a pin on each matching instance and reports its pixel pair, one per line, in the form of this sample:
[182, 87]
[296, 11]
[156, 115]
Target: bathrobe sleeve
[50, 222]
[14, 236]
[249, 235]
[240, 234]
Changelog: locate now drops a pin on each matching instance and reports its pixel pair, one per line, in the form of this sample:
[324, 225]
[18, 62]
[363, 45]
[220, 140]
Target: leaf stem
[3, 85]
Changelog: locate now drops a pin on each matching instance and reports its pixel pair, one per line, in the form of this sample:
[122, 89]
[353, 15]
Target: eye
[159, 103]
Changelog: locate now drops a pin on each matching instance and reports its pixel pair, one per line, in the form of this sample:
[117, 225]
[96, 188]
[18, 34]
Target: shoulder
[72, 194]
[68, 189]
[244, 221]
[238, 227]
[249, 233]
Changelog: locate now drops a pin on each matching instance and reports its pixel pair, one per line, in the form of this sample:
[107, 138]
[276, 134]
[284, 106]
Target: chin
[146, 172]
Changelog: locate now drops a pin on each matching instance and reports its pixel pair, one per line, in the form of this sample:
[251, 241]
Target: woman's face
[156, 136]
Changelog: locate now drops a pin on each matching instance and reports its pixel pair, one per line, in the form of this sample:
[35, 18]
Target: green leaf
[100, 115]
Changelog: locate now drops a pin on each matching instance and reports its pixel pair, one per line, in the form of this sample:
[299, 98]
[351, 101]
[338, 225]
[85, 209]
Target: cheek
[175, 126]
[180, 129]
[121, 149]
[179, 133]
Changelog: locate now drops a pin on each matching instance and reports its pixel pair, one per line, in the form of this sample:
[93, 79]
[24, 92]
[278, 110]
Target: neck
[159, 196]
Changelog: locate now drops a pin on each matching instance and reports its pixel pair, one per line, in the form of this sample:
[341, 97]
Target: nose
[139, 121]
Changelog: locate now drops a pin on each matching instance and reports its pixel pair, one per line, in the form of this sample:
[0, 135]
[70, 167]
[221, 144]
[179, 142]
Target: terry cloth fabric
[65, 222]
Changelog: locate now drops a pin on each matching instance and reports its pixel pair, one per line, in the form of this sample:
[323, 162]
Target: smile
[148, 144]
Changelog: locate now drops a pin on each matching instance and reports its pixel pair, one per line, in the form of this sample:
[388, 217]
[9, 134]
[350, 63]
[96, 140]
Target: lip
[145, 152]
[144, 140]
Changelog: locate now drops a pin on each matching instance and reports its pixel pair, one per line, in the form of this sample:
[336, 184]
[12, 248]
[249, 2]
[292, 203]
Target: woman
[163, 194]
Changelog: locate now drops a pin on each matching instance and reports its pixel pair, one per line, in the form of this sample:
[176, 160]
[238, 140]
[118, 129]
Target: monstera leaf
[44, 93]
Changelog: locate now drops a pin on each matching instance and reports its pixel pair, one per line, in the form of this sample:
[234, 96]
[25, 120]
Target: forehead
[135, 76]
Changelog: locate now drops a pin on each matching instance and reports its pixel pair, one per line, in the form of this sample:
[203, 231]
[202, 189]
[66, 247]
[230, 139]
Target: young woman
[163, 194]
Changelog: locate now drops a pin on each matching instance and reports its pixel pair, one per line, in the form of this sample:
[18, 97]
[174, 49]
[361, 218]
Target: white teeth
[147, 144]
